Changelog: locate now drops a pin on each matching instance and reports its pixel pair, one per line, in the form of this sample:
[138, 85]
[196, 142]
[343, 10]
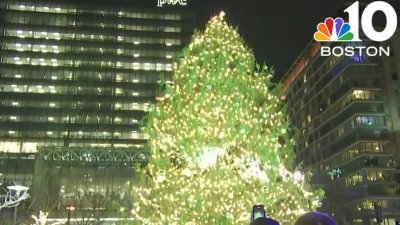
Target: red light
[70, 207]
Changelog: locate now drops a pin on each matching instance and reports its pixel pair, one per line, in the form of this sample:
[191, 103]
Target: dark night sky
[277, 31]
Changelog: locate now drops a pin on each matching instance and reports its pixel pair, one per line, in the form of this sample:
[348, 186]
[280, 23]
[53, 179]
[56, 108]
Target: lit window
[52, 104]
[44, 33]
[13, 117]
[168, 44]
[14, 103]
[18, 76]
[18, 45]
[118, 91]
[46, 8]
[50, 118]
[11, 132]
[16, 58]
[118, 78]
[53, 77]
[135, 81]
[19, 31]
[135, 94]
[22, 6]
[136, 42]
[136, 55]
[168, 56]
[135, 105]
[55, 47]
[49, 132]
[54, 60]
[58, 9]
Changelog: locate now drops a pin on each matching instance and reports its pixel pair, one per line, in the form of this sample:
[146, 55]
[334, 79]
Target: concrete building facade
[76, 80]
[346, 110]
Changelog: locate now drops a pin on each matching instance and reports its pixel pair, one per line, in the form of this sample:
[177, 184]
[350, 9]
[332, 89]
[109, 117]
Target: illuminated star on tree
[219, 141]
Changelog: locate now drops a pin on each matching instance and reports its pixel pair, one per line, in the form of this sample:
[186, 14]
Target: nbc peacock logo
[333, 30]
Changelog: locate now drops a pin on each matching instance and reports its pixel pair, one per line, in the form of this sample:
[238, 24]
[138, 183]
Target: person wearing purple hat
[315, 218]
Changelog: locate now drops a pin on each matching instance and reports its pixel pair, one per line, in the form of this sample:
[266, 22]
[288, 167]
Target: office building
[346, 110]
[76, 80]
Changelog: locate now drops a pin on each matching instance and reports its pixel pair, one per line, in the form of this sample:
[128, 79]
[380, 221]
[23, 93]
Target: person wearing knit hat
[315, 218]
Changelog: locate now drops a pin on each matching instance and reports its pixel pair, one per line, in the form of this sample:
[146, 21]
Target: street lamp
[69, 209]
[14, 194]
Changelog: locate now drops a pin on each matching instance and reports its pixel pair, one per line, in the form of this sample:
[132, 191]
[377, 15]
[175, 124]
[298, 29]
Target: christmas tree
[219, 141]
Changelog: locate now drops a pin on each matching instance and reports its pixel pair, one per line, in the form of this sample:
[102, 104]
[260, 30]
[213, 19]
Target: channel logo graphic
[336, 30]
[333, 30]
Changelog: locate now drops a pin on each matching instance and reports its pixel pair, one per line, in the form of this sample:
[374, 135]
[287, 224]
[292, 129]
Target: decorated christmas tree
[219, 141]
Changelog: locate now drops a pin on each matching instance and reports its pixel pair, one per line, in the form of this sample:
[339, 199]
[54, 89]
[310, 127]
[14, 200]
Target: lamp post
[69, 209]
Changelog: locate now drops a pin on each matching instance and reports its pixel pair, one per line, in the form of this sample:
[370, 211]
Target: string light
[219, 141]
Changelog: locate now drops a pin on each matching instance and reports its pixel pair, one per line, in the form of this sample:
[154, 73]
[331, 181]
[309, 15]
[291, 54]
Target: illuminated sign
[171, 2]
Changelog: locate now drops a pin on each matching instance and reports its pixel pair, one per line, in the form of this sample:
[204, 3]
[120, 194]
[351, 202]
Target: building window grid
[369, 204]
[99, 77]
[350, 153]
[354, 95]
[65, 9]
[369, 175]
[26, 44]
[21, 33]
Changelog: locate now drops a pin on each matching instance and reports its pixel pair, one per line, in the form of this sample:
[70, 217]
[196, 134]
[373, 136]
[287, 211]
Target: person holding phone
[264, 221]
[258, 216]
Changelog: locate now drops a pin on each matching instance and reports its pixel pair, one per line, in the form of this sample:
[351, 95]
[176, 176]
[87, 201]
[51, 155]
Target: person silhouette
[315, 218]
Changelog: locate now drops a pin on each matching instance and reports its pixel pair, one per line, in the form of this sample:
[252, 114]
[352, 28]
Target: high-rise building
[346, 110]
[76, 80]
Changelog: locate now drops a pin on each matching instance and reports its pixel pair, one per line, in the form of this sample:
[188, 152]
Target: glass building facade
[347, 130]
[76, 80]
